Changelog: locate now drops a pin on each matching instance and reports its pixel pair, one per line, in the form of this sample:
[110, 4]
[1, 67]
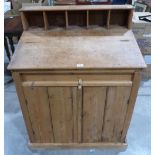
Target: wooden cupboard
[73, 112]
[94, 111]
[77, 87]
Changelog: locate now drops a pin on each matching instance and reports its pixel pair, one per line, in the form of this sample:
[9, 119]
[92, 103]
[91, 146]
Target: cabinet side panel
[115, 112]
[38, 105]
[93, 113]
[61, 103]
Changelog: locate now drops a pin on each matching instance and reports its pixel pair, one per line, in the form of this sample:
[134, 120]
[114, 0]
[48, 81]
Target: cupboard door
[52, 111]
[104, 110]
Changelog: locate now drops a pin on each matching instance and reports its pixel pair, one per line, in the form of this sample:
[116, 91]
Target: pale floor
[138, 137]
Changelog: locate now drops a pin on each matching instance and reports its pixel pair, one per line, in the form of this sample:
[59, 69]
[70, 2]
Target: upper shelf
[77, 7]
[76, 15]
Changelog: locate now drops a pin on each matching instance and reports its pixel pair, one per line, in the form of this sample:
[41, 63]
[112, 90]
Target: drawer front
[76, 77]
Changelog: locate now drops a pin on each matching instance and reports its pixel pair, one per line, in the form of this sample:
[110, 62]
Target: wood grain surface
[94, 49]
[77, 7]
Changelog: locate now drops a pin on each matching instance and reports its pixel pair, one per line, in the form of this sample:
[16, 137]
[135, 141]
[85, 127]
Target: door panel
[104, 111]
[93, 112]
[53, 113]
[62, 106]
[67, 114]
[39, 113]
[115, 112]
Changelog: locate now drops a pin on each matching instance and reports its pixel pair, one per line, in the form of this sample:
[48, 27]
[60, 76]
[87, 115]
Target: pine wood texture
[24, 21]
[77, 87]
[68, 112]
[132, 100]
[23, 104]
[66, 106]
[79, 15]
[94, 99]
[61, 107]
[120, 146]
[60, 50]
[116, 108]
[75, 83]
[108, 19]
[45, 20]
[77, 7]
[38, 107]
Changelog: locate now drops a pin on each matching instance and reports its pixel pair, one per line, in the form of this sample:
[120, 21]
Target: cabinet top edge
[67, 71]
[76, 7]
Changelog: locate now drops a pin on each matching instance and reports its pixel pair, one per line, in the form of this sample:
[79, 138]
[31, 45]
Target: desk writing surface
[73, 49]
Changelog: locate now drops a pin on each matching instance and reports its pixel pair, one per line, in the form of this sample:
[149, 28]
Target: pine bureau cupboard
[77, 87]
